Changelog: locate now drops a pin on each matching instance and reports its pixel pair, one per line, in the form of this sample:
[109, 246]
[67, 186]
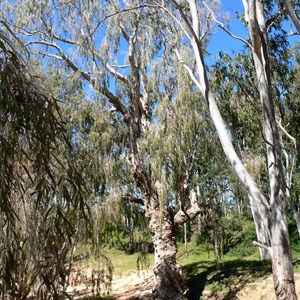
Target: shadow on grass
[225, 280]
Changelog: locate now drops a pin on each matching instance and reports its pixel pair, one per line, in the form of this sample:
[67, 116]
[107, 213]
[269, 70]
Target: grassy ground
[204, 277]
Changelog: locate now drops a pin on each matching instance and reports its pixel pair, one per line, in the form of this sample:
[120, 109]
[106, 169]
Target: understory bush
[244, 246]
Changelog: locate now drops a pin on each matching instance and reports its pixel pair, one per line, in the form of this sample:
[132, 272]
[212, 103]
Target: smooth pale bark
[261, 232]
[280, 249]
[289, 169]
[270, 214]
[292, 14]
[185, 240]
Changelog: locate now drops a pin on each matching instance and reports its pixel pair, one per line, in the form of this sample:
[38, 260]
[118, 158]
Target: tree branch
[174, 18]
[109, 68]
[183, 216]
[120, 12]
[133, 199]
[287, 134]
[292, 14]
[221, 25]
[111, 97]
[261, 245]
[193, 77]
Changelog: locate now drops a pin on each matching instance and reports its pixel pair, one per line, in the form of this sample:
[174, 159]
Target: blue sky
[221, 41]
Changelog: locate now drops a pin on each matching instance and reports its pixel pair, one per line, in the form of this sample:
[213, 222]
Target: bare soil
[137, 286]
[217, 285]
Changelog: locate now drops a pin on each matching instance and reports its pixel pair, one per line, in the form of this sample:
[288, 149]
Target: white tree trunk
[261, 232]
[270, 214]
[280, 249]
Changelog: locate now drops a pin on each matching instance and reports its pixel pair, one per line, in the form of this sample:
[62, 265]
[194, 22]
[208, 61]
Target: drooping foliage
[139, 130]
[42, 193]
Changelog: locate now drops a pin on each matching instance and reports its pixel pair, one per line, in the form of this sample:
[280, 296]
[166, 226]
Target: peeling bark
[167, 273]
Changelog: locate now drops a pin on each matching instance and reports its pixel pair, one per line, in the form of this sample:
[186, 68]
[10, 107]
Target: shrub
[245, 246]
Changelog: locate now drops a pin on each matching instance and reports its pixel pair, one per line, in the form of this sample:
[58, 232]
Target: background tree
[272, 211]
[236, 85]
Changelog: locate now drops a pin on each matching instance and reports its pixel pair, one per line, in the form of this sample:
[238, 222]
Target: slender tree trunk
[261, 231]
[217, 246]
[131, 229]
[294, 213]
[185, 240]
[199, 224]
[288, 181]
[270, 213]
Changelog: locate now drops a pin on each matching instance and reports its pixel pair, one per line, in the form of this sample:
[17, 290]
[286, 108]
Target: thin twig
[221, 25]
[287, 134]
[120, 12]
[175, 19]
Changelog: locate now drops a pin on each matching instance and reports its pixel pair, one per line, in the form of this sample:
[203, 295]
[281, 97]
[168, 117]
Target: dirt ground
[138, 286]
[135, 286]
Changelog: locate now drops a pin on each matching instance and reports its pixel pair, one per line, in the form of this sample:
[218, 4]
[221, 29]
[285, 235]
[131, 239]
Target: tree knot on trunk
[127, 119]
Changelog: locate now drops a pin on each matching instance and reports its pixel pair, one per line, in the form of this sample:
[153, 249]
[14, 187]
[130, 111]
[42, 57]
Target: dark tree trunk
[168, 279]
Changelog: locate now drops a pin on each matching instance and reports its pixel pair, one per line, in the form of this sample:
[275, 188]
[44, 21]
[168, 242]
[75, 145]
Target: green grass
[128, 263]
[226, 278]
[122, 262]
[201, 271]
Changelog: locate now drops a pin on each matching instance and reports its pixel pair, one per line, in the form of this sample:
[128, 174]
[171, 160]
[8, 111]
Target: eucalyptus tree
[234, 82]
[115, 50]
[188, 18]
[290, 136]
